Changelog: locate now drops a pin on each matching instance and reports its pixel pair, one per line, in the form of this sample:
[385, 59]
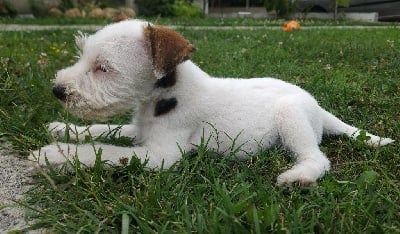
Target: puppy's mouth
[82, 107]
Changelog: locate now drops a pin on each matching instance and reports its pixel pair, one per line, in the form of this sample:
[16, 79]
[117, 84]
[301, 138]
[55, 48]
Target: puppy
[134, 65]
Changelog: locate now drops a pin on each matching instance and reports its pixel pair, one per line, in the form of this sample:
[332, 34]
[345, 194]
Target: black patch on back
[167, 81]
[164, 106]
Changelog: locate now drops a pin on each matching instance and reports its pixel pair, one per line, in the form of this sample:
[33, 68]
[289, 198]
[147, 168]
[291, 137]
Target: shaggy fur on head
[134, 65]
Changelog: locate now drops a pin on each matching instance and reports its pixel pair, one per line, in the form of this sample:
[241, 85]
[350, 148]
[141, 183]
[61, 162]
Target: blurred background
[370, 10]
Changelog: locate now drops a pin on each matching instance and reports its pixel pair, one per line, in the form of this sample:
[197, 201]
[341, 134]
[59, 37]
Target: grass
[182, 21]
[353, 74]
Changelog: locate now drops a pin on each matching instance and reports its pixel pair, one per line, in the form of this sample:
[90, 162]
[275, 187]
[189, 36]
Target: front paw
[64, 131]
[57, 129]
[55, 154]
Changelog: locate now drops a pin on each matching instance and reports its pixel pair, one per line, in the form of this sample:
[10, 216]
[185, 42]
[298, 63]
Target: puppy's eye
[102, 68]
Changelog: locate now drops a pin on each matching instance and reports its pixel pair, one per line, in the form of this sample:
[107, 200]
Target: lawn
[182, 21]
[352, 73]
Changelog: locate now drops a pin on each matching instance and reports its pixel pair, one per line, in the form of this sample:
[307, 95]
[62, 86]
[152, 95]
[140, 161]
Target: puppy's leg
[59, 129]
[302, 138]
[57, 154]
[333, 125]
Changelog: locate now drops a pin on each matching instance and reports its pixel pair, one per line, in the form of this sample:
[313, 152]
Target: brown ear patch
[168, 49]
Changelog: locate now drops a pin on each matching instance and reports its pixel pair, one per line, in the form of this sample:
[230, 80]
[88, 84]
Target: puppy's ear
[80, 40]
[168, 49]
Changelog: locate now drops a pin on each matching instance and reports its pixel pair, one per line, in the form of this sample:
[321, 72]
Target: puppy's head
[118, 68]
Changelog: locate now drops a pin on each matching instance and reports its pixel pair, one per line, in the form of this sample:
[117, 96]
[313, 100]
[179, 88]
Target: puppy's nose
[59, 92]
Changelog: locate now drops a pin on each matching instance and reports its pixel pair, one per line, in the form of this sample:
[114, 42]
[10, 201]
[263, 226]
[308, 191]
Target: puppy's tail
[333, 125]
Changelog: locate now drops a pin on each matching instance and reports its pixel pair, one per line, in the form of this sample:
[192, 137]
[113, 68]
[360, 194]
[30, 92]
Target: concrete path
[14, 182]
[31, 27]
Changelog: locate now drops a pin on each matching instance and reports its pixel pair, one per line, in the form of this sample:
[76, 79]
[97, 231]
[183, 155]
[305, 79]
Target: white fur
[251, 112]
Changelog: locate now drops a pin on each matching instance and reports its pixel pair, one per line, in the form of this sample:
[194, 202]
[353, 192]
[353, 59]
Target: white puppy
[133, 65]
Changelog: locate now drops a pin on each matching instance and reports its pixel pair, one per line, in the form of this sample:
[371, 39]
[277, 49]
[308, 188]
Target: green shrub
[6, 9]
[155, 7]
[282, 7]
[184, 8]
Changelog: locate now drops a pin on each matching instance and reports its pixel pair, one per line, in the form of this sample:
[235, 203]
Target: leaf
[343, 3]
[125, 224]
[367, 178]
[271, 214]
[363, 136]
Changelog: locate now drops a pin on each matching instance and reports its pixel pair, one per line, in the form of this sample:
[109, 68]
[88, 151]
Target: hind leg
[300, 131]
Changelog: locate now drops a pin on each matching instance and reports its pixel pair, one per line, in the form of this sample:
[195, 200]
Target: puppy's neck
[184, 77]
[167, 81]
[174, 89]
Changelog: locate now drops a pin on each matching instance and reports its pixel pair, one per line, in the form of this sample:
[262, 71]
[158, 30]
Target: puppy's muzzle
[59, 92]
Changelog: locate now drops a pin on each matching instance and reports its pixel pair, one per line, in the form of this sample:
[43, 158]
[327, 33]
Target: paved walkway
[20, 27]
[31, 27]
[14, 182]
